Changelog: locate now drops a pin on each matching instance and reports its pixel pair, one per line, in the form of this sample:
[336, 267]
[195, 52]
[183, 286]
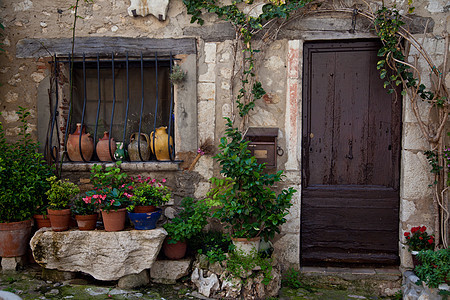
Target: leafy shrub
[60, 192]
[291, 279]
[190, 221]
[23, 174]
[434, 268]
[213, 244]
[239, 264]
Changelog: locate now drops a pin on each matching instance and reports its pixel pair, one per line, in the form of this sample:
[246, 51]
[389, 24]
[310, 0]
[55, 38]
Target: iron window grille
[120, 95]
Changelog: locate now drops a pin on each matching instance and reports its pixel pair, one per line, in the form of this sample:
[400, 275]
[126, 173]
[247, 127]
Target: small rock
[114, 28]
[43, 24]
[205, 285]
[97, 291]
[201, 262]
[216, 268]
[134, 280]
[169, 270]
[52, 292]
[138, 295]
[357, 297]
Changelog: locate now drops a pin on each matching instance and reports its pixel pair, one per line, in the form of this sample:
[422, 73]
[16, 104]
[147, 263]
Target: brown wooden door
[350, 163]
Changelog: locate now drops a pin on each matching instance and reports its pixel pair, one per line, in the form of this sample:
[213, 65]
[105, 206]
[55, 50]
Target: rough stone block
[103, 255]
[210, 52]
[416, 176]
[9, 264]
[286, 249]
[168, 271]
[134, 280]
[206, 91]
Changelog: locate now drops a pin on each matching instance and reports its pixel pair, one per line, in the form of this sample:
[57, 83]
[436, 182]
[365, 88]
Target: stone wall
[205, 98]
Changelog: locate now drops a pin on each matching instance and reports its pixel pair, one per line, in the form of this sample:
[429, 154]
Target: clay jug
[103, 147]
[159, 144]
[133, 147]
[73, 145]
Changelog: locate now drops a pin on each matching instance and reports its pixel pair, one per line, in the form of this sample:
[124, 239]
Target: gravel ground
[28, 284]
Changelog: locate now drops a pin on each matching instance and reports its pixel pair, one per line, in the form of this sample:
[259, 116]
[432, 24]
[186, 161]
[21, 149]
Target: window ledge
[126, 166]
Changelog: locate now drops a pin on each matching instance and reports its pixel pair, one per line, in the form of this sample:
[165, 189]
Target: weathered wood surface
[91, 46]
[351, 150]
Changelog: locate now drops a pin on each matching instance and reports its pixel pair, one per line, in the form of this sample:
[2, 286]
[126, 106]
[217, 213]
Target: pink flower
[87, 199]
[154, 180]
[164, 180]
[127, 195]
[112, 201]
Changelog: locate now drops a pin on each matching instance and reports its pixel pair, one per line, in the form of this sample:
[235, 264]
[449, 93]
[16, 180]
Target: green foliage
[112, 187]
[60, 193]
[249, 207]
[189, 222]
[23, 174]
[177, 75]
[149, 192]
[239, 264]
[388, 23]
[291, 279]
[213, 244]
[434, 268]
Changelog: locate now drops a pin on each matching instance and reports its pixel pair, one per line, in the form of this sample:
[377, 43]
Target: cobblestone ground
[28, 284]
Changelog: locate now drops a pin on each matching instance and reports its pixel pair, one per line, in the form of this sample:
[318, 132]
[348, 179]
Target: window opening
[126, 97]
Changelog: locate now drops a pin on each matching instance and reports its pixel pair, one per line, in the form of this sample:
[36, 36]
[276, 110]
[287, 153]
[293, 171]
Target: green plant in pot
[148, 194]
[85, 211]
[417, 240]
[112, 192]
[22, 187]
[59, 199]
[248, 206]
[434, 267]
[189, 222]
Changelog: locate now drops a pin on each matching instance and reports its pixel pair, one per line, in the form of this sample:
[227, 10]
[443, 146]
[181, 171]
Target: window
[123, 96]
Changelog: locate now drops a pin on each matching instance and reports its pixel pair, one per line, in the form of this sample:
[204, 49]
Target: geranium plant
[418, 239]
[149, 192]
[85, 206]
[60, 193]
[112, 188]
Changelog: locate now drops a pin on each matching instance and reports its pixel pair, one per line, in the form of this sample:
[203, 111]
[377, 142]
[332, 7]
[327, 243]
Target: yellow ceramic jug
[159, 144]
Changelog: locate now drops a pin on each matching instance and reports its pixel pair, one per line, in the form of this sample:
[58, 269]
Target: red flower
[420, 238]
[406, 233]
[423, 229]
[414, 229]
[430, 241]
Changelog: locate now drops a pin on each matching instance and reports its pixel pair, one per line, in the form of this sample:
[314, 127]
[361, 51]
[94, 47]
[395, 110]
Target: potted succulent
[59, 196]
[247, 205]
[417, 240]
[85, 210]
[189, 222]
[22, 187]
[112, 191]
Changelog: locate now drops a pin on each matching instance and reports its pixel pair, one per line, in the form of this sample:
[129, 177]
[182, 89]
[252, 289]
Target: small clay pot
[59, 218]
[114, 220]
[86, 222]
[174, 251]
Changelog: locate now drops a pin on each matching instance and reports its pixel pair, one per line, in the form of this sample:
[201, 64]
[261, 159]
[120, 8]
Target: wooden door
[350, 157]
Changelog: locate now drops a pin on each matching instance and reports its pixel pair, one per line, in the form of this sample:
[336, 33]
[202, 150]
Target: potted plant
[112, 191]
[148, 194]
[248, 206]
[434, 268]
[22, 187]
[85, 210]
[189, 222]
[40, 216]
[59, 196]
[417, 240]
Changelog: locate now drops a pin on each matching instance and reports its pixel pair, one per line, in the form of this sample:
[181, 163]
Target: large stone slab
[104, 255]
[168, 271]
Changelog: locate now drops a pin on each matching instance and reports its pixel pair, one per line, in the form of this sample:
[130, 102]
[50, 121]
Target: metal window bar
[99, 64]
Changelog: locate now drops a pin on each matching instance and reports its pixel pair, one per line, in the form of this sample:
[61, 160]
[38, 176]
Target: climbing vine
[395, 69]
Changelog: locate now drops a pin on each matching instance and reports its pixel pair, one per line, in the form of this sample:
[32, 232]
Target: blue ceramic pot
[145, 221]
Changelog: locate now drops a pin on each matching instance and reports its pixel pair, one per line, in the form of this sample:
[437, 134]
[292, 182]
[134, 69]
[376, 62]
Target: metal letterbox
[263, 144]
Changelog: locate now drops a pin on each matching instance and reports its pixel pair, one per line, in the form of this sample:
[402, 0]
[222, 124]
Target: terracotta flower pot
[174, 251]
[14, 238]
[114, 220]
[59, 218]
[42, 221]
[144, 209]
[86, 222]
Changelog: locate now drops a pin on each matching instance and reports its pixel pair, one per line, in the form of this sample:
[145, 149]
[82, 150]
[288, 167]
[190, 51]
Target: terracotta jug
[103, 147]
[87, 144]
[160, 146]
[133, 147]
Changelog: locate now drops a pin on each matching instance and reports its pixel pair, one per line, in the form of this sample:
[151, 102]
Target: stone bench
[103, 255]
